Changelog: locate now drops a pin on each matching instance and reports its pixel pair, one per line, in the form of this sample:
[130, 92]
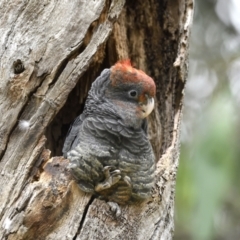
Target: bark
[51, 52]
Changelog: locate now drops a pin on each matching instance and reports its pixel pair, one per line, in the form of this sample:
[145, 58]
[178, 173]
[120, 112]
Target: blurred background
[208, 180]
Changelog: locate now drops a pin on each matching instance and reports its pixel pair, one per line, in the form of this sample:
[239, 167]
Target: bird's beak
[147, 107]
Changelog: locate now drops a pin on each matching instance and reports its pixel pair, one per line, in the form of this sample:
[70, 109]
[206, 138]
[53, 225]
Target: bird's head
[131, 89]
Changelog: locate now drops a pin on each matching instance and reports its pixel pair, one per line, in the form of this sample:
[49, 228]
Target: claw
[106, 171]
[116, 172]
[115, 208]
[127, 180]
[111, 178]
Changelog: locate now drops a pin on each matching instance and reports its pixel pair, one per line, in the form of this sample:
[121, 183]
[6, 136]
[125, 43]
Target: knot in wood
[18, 66]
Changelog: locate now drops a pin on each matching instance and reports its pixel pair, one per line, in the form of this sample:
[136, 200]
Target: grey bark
[50, 53]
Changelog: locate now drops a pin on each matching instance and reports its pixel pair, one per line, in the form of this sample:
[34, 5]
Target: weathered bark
[51, 52]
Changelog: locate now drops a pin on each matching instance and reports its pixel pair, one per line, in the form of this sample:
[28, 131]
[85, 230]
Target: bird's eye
[133, 93]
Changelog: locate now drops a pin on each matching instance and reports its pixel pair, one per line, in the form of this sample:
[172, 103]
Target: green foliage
[206, 171]
[207, 191]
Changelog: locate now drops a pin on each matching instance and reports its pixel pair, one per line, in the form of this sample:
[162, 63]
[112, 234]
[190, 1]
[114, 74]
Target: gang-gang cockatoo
[108, 147]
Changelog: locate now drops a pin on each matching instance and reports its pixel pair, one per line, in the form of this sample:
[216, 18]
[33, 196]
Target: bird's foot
[115, 208]
[111, 178]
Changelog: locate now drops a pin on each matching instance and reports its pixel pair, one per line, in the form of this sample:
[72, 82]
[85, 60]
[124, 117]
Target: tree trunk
[51, 51]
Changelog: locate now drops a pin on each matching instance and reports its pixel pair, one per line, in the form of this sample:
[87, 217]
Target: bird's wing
[72, 134]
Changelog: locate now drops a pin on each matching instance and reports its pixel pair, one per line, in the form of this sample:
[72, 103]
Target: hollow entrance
[56, 132]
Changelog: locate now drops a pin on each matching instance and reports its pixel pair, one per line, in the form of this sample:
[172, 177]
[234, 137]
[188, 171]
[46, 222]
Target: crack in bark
[162, 225]
[82, 45]
[84, 216]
